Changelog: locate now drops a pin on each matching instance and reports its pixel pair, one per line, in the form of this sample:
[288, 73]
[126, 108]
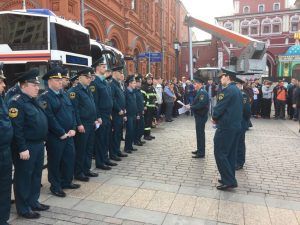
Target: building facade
[271, 21]
[132, 26]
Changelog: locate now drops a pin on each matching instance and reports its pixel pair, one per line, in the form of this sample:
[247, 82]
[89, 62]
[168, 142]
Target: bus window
[69, 40]
[22, 32]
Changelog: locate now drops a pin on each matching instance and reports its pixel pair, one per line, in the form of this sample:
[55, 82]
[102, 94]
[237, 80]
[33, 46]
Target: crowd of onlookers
[281, 96]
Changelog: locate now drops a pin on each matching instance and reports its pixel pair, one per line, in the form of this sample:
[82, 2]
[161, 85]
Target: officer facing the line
[200, 107]
[85, 112]
[62, 126]
[227, 115]
[30, 132]
[6, 134]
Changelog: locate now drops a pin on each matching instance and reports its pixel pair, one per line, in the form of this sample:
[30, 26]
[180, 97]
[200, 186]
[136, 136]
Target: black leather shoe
[122, 139]
[115, 158]
[198, 156]
[138, 144]
[31, 215]
[60, 193]
[225, 187]
[41, 207]
[91, 174]
[238, 167]
[127, 151]
[82, 178]
[133, 149]
[194, 152]
[152, 137]
[72, 186]
[109, 163]
[148, 138]
[220, 181]
[143, 142]
[103, 167]
[122, 155]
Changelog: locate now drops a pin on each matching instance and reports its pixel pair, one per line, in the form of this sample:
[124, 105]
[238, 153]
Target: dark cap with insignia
[197, 79]
[130, 79]
[65, 73]
[54, 73]
[227, 72]
[73, 77]
[85, 72]
[238, 80]
[28, 76]
[117, 68]
[1, 72]
[100, 61]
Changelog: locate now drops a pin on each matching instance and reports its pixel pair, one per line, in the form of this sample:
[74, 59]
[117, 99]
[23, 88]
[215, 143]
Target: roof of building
[293, 50]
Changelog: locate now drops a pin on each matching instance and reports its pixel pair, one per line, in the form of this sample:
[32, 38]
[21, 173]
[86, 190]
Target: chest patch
[72, 95]
[201, 97]
[244, 100]
[221, 96]
[44, 104]
[92, 88]
[13, 112]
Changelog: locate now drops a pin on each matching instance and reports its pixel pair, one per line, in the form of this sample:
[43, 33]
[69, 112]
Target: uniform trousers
[130, 132]
[5, 182]
[200, 133]
[84, 145]
[27, 177]
[116, 135]
[139, 129]
[61, 159]
[225, 150]
[102, 139]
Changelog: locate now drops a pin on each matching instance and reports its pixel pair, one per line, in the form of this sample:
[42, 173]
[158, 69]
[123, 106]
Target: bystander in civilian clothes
[169, 98]
[266, 101]
[281, 96]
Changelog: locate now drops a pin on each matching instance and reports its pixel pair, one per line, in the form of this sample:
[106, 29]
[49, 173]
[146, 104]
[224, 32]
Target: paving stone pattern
[162, 184]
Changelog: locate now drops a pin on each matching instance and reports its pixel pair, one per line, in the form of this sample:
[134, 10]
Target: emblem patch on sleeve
[72, 95]
[244, 100]
[13, 112]
[92, 88]
[221, 96]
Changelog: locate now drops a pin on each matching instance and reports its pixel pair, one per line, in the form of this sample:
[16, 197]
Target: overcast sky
[207, 10]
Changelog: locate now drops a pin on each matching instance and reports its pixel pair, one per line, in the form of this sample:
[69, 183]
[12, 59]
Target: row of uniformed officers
[231, 117]
[76, 124]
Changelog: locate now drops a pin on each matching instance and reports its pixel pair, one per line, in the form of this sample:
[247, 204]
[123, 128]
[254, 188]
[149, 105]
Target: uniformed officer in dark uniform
[150, 98]
[65, 79]
[118, 113]
[227, 115]
[6, 134]
[140, 103]
[85, 111]
[62, 126]
[131, 113]
[104, 103]
[30, 132]
[200, 107]
[241, 150]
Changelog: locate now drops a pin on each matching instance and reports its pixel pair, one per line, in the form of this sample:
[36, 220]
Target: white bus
[38, 38]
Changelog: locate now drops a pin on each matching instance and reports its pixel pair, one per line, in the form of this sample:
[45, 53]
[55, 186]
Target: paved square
[162, 184]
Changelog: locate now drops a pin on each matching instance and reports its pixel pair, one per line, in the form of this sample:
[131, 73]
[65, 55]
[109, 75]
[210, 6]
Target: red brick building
[132, 26]
[271, 21]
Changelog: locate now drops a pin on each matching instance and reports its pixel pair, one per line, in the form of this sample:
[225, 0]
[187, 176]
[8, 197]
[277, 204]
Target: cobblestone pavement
[162, 184]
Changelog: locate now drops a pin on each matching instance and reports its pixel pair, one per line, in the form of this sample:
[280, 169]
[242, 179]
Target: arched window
[261, 8]
[294, 27]
[246, 9]
[245, 27]
[254, 27]
[266, 26]
[276, 6]
[276, 25]
[228, 25]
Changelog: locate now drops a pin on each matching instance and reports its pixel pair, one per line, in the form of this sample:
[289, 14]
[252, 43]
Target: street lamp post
[177, 50]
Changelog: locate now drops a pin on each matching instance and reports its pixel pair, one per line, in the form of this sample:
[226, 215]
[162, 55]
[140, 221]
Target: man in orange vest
[281, 95]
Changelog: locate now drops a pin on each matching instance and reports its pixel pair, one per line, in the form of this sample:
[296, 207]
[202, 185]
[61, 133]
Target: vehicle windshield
[23, 32]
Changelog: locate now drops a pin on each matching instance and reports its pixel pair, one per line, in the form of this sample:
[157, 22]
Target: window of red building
[261, 8]
[246, 9]
[245, 27]
[276, 25]
[254, 27]
[276, 6]
[266, 26]
[228, 25]
[294, 23]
